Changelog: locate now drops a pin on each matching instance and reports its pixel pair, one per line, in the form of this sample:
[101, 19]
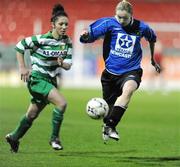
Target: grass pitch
[149, 133]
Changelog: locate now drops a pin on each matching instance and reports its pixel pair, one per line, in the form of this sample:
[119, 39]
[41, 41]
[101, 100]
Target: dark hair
[58, 10]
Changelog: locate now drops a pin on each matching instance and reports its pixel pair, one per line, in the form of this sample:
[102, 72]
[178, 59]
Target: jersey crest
[124, 45]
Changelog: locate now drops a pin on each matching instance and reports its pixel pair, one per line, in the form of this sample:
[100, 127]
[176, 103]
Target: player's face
[61, 25]
[124, 17]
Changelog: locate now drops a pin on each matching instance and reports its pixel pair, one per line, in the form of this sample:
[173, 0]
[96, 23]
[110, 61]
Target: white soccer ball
[97, 108]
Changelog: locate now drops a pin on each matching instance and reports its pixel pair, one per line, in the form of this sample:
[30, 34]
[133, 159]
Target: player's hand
[24, 72]
[60, 61]
[156, 66]
[84, 35]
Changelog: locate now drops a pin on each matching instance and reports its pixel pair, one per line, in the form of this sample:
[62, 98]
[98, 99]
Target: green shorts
[39, 86]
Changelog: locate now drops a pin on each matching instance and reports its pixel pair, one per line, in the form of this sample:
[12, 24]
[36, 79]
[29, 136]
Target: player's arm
[63, 64]
[24, 72]
[153, 62]
[66, 61]
[21, 46]
[150, 36]
[95, 31]
[85, 36]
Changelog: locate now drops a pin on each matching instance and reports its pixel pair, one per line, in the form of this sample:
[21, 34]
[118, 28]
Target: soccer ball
[97, 108]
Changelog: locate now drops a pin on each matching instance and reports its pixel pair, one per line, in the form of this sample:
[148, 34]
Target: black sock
[109, 113]
[113, 119]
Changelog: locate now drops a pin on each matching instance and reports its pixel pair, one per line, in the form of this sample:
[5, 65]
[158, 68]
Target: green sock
[21, 129]
[56, 123]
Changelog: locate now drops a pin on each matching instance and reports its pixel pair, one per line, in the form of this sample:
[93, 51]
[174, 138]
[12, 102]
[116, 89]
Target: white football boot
[109, 132]
[56, 144]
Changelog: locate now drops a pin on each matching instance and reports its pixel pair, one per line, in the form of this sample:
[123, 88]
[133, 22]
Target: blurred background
[22, 18]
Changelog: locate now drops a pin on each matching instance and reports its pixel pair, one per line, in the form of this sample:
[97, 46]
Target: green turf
[150, 133]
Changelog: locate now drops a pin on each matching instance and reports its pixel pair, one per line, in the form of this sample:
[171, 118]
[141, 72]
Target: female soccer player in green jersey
[49, 52]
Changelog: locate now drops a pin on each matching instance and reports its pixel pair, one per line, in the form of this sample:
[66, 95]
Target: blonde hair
[125, 5]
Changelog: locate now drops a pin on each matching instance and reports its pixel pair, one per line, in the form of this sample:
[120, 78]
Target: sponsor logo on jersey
[55, 53]
[124, 45]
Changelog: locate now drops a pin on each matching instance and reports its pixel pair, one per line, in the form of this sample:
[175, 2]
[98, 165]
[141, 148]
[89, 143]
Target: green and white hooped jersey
[45, 50]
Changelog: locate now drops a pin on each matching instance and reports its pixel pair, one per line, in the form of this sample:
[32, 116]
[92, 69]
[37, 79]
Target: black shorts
[112, 84]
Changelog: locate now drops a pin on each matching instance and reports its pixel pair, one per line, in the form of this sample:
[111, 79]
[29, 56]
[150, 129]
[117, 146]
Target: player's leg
[23, 126]
[109, 89]
[118, 110]
[122, 102]
[127, 84]
[58, 113]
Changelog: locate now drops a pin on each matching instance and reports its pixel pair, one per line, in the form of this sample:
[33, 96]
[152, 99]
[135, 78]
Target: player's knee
[62, 106]
[32, 115]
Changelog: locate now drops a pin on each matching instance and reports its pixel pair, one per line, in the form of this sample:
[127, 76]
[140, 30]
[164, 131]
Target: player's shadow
[152, 161]
[119, 156]
[98, 154]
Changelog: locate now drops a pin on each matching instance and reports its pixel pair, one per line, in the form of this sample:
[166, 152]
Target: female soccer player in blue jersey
[49, 53]
[122, 55]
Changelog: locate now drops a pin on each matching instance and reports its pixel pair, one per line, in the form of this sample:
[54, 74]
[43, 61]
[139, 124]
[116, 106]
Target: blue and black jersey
[121, 46]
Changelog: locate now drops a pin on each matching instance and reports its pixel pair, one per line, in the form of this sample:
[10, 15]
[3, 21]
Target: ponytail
[58, 10]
